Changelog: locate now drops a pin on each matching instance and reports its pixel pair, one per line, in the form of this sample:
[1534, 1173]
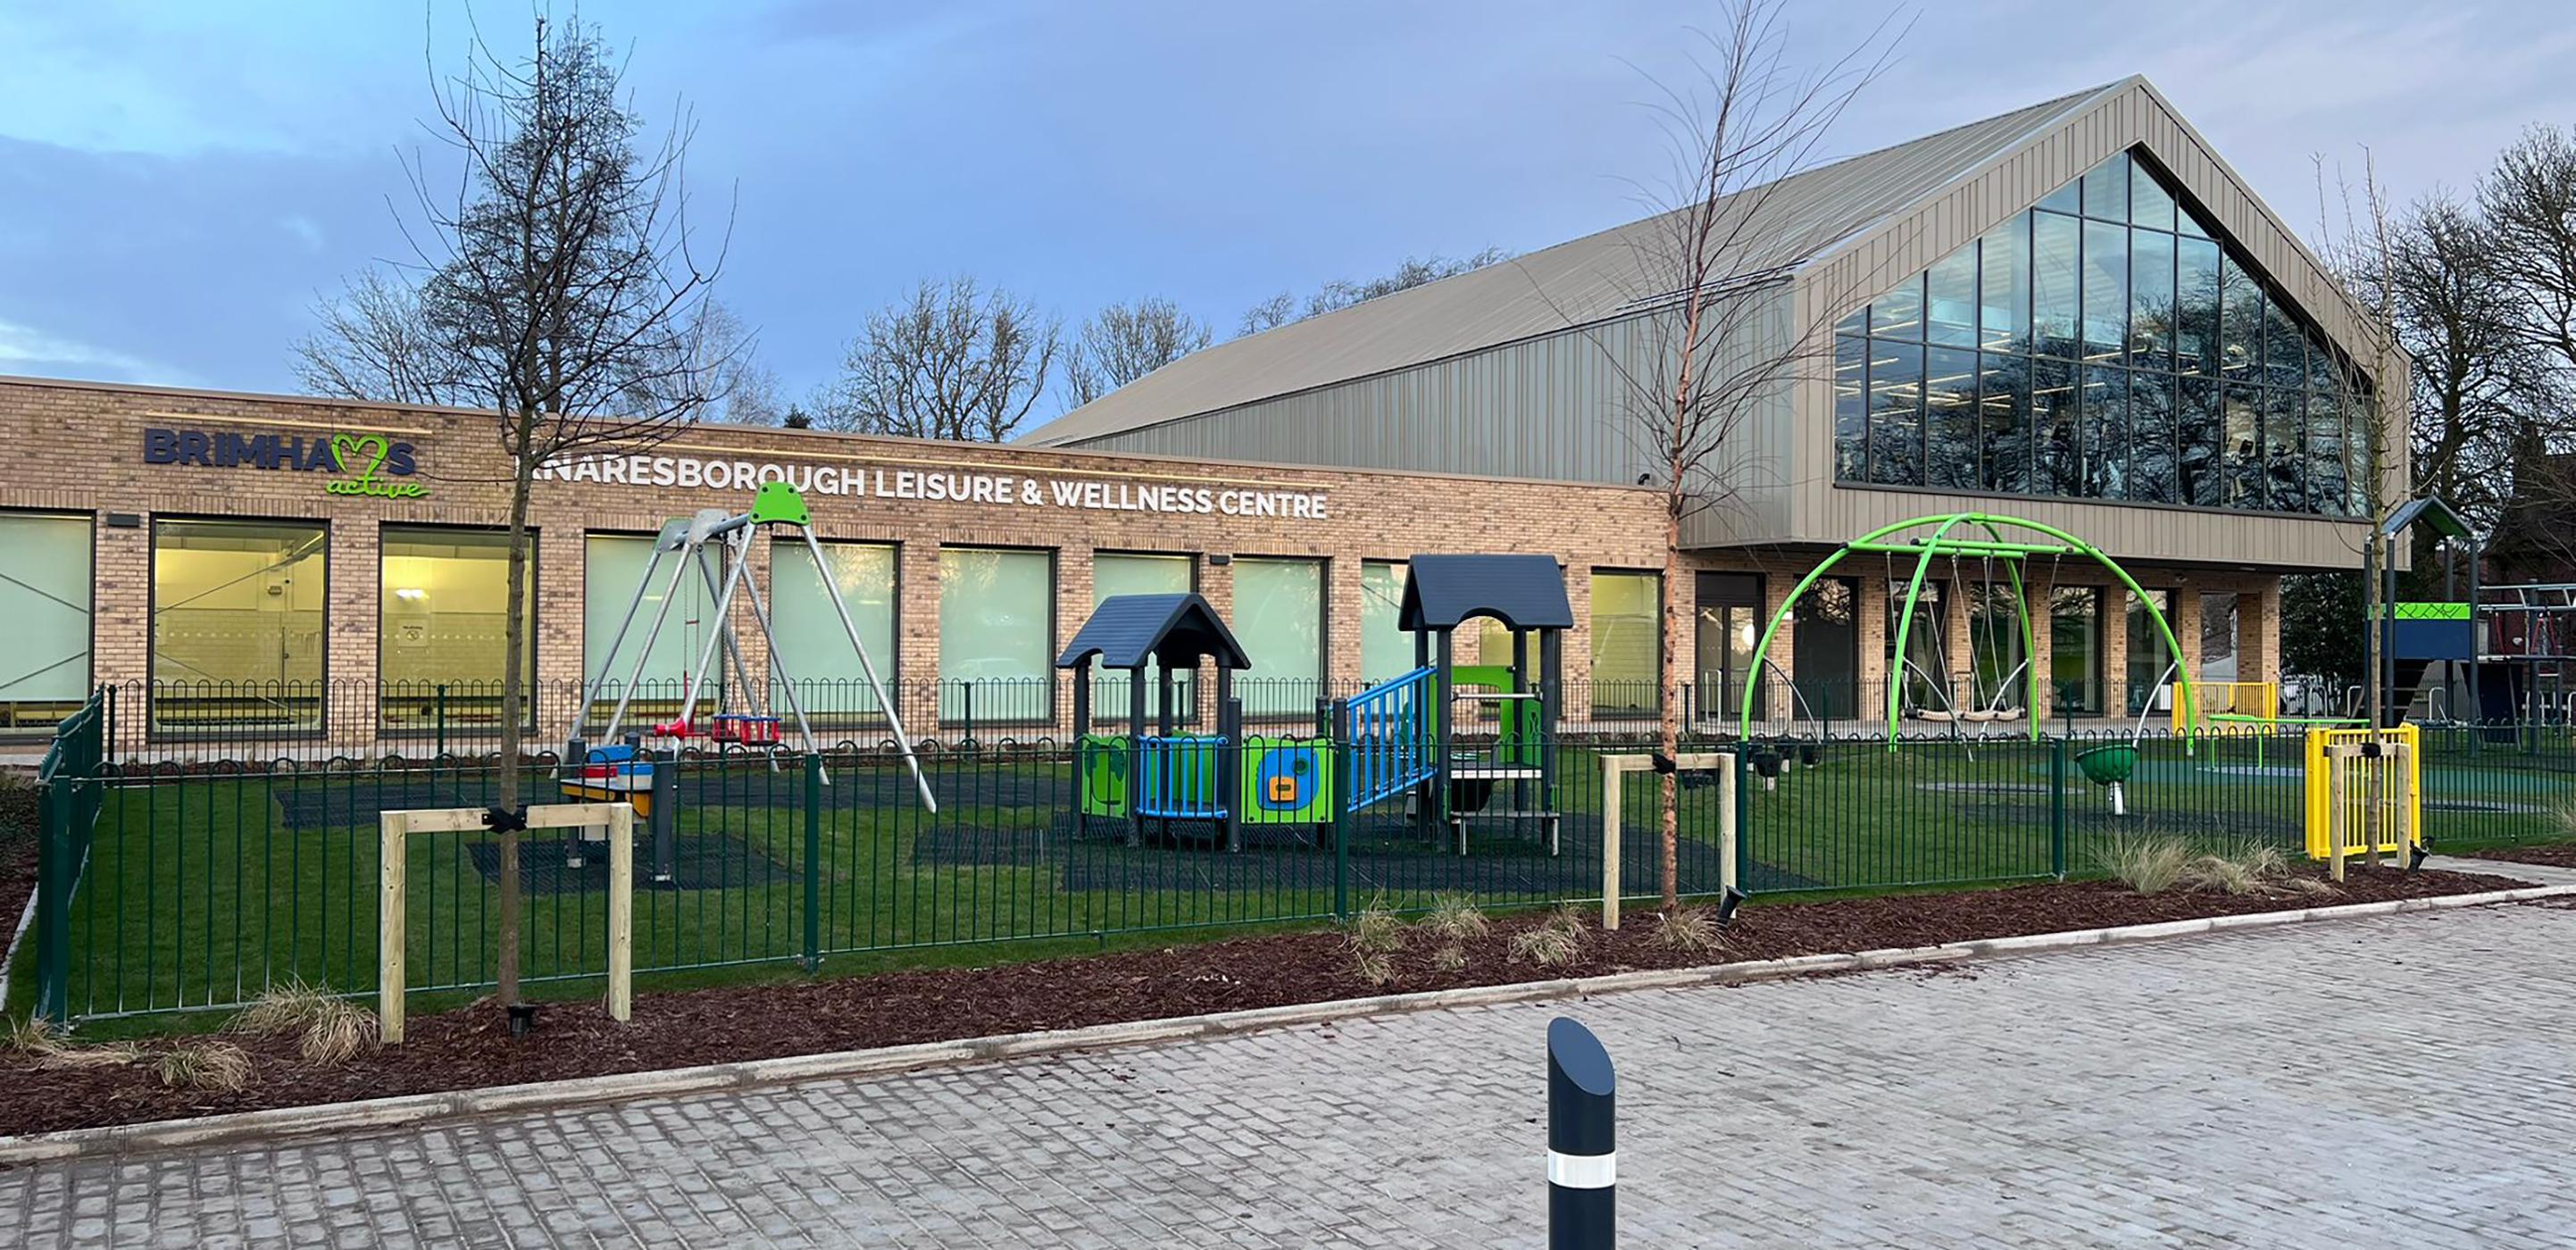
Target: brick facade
[80, 448]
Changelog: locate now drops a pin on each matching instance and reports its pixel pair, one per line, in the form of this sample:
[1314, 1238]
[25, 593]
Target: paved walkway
[2408, 1081]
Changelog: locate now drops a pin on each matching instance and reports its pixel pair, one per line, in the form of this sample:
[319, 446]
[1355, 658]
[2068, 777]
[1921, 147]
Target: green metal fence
[176, 888]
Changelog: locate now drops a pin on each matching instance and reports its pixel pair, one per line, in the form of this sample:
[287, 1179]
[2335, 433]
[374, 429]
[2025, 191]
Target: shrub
[1688, 929]
[329, 1029]
[211, 1067]
[1455, 918]
[1371, 966]
[1376, 929]
[2145, 864]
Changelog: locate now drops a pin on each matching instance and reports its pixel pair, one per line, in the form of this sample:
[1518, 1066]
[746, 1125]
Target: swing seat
[2007, 713]
[1933, 714]
[680, 728]
[752, 731]
[1977, 716]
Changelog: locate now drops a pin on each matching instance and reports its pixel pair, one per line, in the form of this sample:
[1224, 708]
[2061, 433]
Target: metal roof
[1444, 592]
[1175, 631]
[1588, 280]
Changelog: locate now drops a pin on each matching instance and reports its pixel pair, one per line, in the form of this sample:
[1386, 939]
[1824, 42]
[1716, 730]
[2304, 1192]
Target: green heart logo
[344, 446]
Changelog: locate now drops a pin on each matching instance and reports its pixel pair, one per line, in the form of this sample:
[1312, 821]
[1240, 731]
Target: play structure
[1987, 542]
[1401, 741]
[714, 546]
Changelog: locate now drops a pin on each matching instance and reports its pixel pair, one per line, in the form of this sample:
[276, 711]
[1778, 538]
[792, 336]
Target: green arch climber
[1995, 545]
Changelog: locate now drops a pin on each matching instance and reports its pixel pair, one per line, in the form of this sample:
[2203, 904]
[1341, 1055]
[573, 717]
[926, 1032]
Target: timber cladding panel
[80, 447]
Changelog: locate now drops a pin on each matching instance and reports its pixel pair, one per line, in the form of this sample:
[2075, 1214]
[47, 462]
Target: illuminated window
[442, 624]
[237, 629]
[613, 568]
[1627, 647]
[996, 624]
[814, 646]
[1279, 619]
[1111, 689]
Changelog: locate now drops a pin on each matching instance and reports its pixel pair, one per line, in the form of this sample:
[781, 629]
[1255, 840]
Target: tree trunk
[1668, 700]
[513, 699]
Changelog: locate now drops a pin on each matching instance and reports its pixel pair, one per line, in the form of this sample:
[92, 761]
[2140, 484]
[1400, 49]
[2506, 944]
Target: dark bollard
[1582, 1165]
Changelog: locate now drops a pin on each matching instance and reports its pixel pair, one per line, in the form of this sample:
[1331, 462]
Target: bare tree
[1713, 347]
[741, 390]
[1341, 293]
[1269, 314]
[375, 343]
[950, 361]
[1125, 342]
[560, 272]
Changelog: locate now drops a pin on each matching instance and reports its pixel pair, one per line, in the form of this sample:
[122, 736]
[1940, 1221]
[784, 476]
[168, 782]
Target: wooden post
[390, 942]
[1610, 771]
[2335, 756]
[1727, 778]
[621, 913]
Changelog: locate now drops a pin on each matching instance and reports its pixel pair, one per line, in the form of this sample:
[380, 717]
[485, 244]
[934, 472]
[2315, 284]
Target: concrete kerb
[379, 1113]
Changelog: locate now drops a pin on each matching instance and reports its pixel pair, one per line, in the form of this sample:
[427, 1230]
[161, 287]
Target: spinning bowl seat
[2108, 765]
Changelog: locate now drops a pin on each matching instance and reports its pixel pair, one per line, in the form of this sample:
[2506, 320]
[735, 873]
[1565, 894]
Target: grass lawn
[201, 890]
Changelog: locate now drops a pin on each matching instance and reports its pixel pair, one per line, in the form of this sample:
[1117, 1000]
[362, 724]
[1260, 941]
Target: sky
[180, 182]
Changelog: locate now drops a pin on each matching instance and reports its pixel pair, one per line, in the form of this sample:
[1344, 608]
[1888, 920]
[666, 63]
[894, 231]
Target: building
[2075, 312]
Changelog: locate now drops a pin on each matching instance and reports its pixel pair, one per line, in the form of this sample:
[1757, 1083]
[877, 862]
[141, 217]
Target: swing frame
[1994, 545]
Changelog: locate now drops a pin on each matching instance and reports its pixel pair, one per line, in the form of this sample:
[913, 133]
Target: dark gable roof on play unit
[1524, 592]
[1176, 631]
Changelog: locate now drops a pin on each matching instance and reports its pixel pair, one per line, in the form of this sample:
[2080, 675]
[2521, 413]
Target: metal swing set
[715, 545]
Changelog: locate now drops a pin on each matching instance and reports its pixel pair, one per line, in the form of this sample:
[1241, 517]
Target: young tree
[1125, 342]
[950, 361]
[1715, 348]
[375, 343]
[560, 272]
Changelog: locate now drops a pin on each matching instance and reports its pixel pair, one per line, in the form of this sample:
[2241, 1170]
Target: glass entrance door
[1729, 623]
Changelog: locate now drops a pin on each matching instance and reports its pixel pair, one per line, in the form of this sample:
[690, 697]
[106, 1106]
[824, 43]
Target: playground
[759, 846]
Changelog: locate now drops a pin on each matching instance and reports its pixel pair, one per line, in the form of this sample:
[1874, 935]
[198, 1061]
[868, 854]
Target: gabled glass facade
[2103, 344]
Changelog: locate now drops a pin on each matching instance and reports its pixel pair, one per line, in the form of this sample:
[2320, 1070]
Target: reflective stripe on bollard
[1582, 1158]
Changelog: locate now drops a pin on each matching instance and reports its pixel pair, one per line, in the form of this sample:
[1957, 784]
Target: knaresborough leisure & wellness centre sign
[995, 490]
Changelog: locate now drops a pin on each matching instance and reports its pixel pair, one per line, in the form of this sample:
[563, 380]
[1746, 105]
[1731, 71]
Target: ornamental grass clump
[1556, 942]
[1454, 918]
[1688, 929]
[207, 1067]
[2144, 863]
[329, 1029]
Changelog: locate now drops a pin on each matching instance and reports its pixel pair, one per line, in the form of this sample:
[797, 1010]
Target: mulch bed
[2561, 856]
[469, 1047]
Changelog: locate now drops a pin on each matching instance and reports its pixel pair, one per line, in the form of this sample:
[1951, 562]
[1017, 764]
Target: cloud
[27, 349]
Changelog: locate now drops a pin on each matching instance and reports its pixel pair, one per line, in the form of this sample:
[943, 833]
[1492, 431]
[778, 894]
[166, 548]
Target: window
[1950, 418]
[237, 624]
[1386, 651]
[814, 646]
[1895, 413]
[2149, 657]
[1729, 625]
[996, 627]
[2053, 307]
[1111, 689]
[1279, 619]
[2217, 637]
[45, 598]
[1626, 642]
[654, 675]
[1824, 645]
[2075, 650]
[2003, 287]
[442, 626]
[1925, 671]
[1851, 408]
[2153, 475]
[1997, 652]
[2003, 402]
[2099, 316]
[1951, 301]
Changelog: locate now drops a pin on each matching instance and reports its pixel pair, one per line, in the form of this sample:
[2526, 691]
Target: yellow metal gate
[2365, 792]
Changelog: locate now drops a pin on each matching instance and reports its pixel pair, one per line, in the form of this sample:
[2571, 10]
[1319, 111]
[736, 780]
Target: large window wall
[613, 567]
[1627, 652]
[1112, 689]
[1279, 619]
[237, 627]
[814, 646]
[442, 626]
[45, 599]
[1386, 650]
[996, 632]
[2105, 344]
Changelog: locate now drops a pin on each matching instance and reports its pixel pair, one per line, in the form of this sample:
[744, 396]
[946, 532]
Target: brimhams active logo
[366, 464]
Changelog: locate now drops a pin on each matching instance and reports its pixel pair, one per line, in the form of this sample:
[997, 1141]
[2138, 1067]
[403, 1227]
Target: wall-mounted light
[1220, 559]
[413, 593]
